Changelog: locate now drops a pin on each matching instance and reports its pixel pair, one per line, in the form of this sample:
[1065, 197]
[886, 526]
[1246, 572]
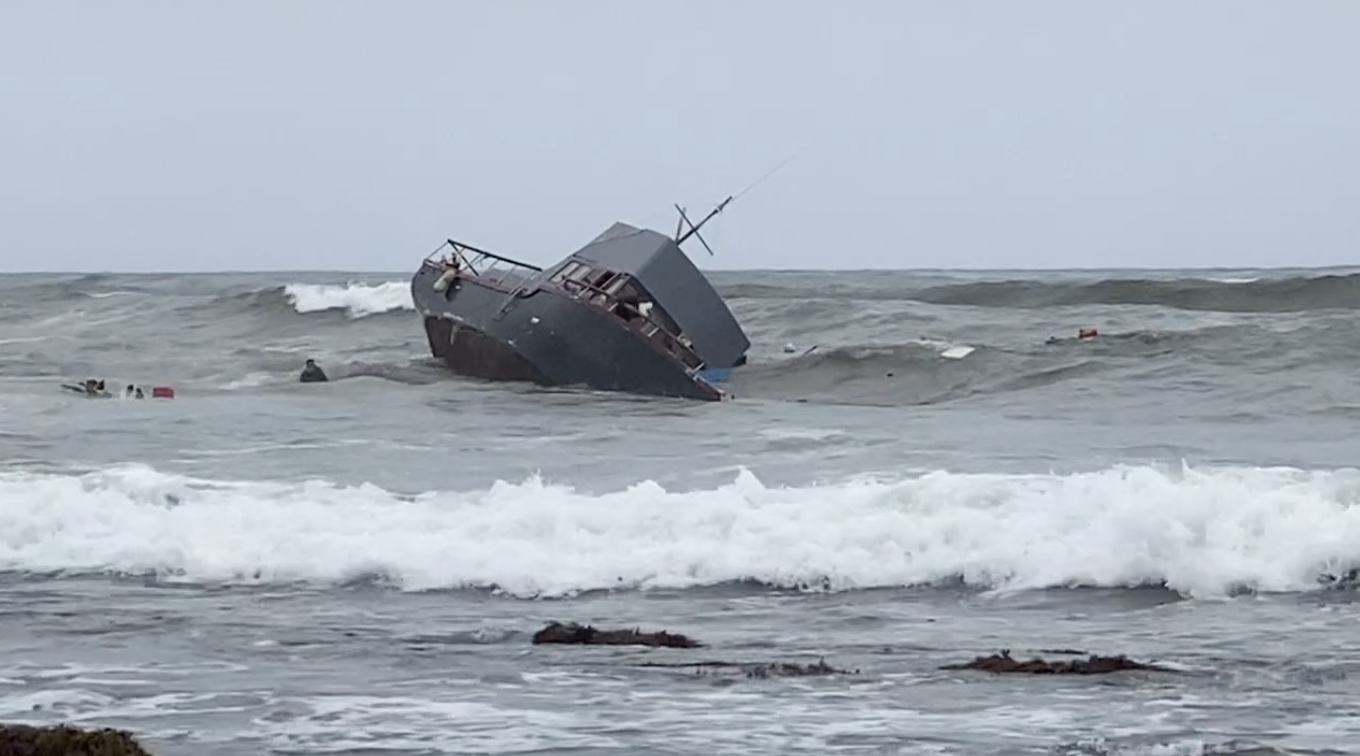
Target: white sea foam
[801, 434]
[1203, 532]
[251, 380]
[23, 340]
[356, 299]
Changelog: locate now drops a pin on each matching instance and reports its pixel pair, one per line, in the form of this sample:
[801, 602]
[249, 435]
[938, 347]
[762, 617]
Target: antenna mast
[694, 227]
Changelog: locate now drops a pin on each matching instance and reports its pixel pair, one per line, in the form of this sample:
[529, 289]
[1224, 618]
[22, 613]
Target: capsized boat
[628, 312]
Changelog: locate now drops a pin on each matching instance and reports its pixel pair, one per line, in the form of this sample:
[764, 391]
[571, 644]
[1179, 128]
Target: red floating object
[162, 392]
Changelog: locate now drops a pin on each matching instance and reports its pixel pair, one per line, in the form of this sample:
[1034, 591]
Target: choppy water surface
[259, 566]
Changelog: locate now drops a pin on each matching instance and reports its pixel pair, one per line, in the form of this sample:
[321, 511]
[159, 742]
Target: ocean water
[263, 567]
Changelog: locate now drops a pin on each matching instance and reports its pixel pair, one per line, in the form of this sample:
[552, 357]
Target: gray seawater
[263, 567]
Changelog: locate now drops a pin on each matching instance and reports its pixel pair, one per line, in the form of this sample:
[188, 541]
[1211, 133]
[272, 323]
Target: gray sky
[182, 135]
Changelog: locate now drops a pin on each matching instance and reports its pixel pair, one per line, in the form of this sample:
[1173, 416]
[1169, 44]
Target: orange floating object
[162, 392]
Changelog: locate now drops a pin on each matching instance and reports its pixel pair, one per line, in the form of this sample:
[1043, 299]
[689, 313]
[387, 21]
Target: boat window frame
[571, 271]
[576, 283]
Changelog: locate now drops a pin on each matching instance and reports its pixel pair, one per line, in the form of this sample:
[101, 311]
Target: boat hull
[542, 336]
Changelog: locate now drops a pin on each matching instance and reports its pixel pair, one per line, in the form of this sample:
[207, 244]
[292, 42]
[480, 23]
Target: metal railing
[488, 268]
[494, 271]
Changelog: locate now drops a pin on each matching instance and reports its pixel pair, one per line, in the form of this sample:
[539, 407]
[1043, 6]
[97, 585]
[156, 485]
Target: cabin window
[565, 271]
[572, 271]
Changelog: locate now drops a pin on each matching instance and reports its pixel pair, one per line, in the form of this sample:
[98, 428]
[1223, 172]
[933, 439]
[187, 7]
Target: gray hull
[545, 337]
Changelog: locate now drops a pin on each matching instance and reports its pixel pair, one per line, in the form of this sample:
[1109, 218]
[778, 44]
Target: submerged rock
[791, 669]
[759, 669]
[585, 635]
[1092, 665]
[64, 740]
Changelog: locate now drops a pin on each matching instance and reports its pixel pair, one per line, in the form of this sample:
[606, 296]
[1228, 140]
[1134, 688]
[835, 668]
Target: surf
[1206, 532]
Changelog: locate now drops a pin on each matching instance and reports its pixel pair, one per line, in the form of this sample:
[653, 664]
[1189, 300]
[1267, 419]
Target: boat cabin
[638, 272]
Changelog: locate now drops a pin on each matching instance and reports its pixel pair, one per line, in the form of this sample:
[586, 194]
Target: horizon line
[377, 271]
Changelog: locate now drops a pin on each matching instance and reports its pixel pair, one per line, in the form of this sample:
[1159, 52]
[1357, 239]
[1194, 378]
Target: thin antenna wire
[694, 227]
[772, 171]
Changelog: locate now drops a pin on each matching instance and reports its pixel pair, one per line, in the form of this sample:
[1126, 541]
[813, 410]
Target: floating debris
[1092, 665]
[64, 740]
[585, 635]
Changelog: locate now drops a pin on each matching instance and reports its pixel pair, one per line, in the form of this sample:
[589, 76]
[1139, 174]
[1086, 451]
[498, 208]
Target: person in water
[312, 373]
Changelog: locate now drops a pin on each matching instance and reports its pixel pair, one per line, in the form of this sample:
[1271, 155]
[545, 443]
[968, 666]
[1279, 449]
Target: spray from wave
[1202, 532]
[356, 299]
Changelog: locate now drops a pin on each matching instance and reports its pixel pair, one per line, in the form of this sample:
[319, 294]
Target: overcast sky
[187, 135]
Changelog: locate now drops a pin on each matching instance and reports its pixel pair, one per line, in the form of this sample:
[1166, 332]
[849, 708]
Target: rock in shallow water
[586, 635]
[64, 740]
[1093, 665]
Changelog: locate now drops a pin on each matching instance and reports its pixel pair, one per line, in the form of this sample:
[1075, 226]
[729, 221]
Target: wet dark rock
[1092, 665]
[64, 740]
[790, 669]
[585, 635]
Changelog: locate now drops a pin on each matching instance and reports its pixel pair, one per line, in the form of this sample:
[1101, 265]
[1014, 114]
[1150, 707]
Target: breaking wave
[356, 299]
[1203, 532]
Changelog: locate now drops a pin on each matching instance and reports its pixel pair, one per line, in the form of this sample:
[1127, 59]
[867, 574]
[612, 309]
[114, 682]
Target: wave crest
[1203, 532]
[356, 299]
